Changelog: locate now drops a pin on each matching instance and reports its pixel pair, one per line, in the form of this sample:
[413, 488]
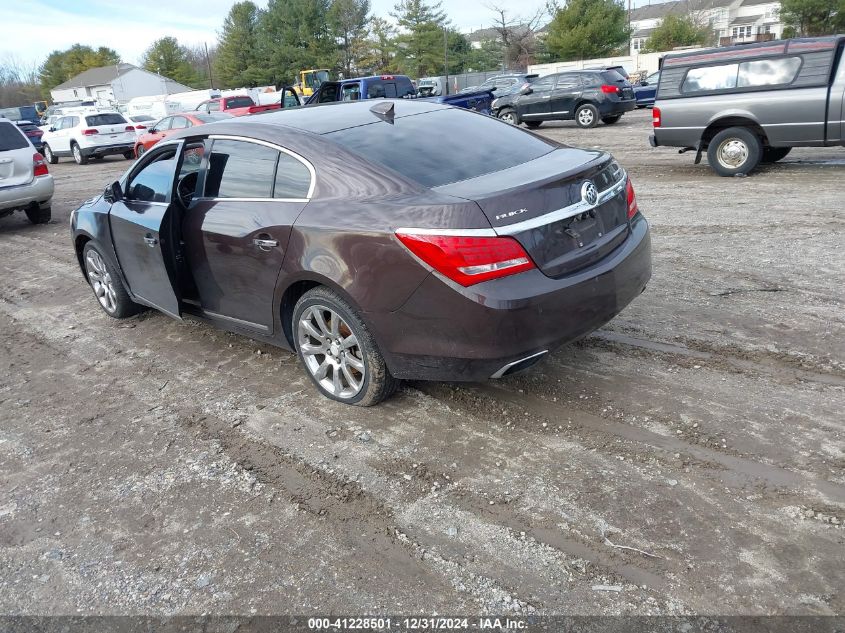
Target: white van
[154, 106]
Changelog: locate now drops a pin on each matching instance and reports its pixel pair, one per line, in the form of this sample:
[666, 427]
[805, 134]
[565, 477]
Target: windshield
[315, 78]
[443, 146]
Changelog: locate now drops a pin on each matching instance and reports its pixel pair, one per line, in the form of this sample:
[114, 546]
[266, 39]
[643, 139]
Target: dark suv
[586, 96]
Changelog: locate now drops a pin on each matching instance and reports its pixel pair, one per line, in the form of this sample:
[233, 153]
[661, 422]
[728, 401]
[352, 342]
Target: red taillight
[90, 132]
[655, 117]
[606, 88]
[632, 199]
[129, 128]
[140, 127]
[39, 165]
[388, 77]
[468, 260]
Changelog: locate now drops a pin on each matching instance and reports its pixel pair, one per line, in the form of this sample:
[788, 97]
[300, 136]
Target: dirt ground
[688, 458]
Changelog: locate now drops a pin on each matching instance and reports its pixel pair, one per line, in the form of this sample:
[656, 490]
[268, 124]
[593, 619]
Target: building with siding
[112, 85]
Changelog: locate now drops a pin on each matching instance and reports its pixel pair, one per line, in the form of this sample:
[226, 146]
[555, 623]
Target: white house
[110, 85]
[732, 21]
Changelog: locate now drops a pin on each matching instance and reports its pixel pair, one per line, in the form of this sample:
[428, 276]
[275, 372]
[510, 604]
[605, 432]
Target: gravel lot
[688, 458]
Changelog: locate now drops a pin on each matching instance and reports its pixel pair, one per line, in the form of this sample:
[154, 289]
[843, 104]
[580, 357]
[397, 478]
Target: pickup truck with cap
[751, 104]
[394, 87]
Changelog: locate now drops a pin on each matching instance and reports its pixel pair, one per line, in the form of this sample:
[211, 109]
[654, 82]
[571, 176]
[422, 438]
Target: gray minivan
[744, 105]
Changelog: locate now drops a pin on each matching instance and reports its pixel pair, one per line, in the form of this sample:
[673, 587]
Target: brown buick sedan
[402, 240]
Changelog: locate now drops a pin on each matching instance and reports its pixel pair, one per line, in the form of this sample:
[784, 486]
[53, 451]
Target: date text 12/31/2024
[417, 624]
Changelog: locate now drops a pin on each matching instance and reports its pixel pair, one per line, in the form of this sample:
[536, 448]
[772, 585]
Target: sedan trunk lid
[549, 206]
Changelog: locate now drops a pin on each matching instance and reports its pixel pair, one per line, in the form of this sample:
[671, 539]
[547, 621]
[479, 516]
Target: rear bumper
[38, 191]
[613, 108]
[446, 332]
[108, 150]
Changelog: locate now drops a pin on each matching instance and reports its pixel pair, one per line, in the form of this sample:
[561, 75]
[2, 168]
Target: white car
[85, 136]
[25, 182]
[141, 122]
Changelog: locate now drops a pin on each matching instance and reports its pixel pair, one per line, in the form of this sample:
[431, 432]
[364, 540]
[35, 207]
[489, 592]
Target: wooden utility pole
[208, 64]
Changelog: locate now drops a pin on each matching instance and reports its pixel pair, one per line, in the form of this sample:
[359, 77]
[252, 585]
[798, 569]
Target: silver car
[746, 105]
[25, 182]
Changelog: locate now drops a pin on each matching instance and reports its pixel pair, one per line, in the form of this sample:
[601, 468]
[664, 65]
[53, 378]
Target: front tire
[508, 115]
[587, 116]
[106, 284]
[78, 156]
[735, 151]
[38, 215]
[774, 154]
[49, 156]
[337, 350]
[139, 151]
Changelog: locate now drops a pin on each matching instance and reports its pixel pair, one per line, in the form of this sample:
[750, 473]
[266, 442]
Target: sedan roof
[332, 117]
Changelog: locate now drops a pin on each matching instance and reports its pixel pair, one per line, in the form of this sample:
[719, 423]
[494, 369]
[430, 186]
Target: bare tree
[518, 35]
[19, 82]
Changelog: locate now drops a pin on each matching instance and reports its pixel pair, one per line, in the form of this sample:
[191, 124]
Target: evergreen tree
[584, 29]
[168, 58]
[236, 63]
[420, 44]
[348, 21]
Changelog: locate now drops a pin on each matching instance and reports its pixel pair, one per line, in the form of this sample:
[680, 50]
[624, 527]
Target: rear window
[613, 77]
[104, 119]
[764, 72]
[11, 138]
[239, 102]
[443, 146]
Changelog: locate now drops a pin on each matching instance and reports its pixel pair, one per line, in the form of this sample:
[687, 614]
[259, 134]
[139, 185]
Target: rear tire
[774, 154]
[610, 120]
[105, 282]
[37, 215]
[78, 156]
[508, 115]
[586, 116]
[735, 151]
[129, 155]
[533, 124]
[338, 352]
[49, 156]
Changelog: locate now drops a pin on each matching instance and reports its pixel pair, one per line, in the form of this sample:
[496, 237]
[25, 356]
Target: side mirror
[51, 129]
[526, 90]
[494, 89]
[113, 193]
[643, 83]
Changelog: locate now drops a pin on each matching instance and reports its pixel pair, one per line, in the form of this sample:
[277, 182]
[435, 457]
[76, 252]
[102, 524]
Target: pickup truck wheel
[78, 156]
[106, 284]
[587, 116]
[533, 124]
[736, 150]
[49, 156]
[339, 353]
[37, 215]
[774, 154]
[508, 115]
[610, 120]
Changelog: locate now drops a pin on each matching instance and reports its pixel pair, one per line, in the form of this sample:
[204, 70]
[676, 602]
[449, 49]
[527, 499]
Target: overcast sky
[30, 30]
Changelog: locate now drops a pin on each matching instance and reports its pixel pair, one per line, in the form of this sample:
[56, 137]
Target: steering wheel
[186, 188]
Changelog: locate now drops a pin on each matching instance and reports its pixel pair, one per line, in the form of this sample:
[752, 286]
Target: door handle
[150, 241]
[265, 245]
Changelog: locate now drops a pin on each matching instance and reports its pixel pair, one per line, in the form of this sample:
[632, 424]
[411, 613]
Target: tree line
[270, 46]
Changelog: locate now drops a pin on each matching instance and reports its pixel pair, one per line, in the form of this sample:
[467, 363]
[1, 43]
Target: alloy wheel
[732, 153]
[585, 117]
[77, 154]
[509, 117]
[101, 281]
[331, 351]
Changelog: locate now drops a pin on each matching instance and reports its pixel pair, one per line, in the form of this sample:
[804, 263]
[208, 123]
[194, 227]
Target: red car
[174, 123]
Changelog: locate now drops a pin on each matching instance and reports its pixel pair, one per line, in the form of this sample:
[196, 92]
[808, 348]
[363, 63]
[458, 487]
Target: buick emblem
[589, 193]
